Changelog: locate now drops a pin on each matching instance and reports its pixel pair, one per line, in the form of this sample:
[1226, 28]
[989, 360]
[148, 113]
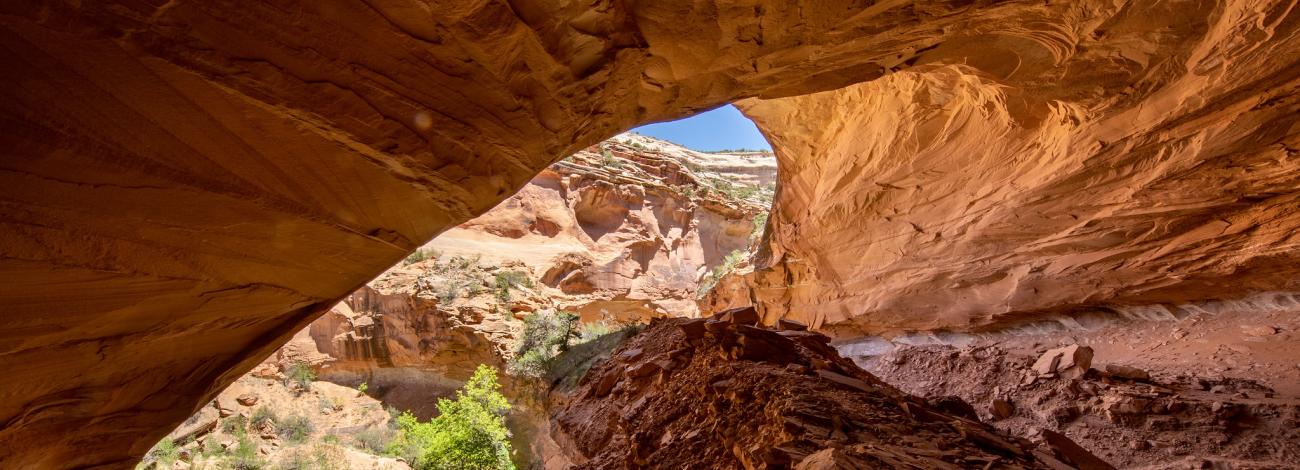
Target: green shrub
[300, 373]
[263, 417]
[728, 263]
[545, 335]
[420, 255]
[448, 291]
[234, 424]
[468, 433]
[591, 331]
[212, 447]
[165, 453]
[374, 440]
[760, 224]
[363, 387]
[294, 428]
[506, 280]
[245, 455]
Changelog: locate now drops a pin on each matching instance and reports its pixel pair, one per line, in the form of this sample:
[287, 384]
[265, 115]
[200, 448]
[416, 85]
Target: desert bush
[760, 224]
[418, 256]
[468, 433]
[590, 331]
[728, 263]
[262, 417]
[374, 440]
[295, 428]
[234, 424]
[545, 335]
[393, 413]
[164, 452]
[245, 456]
[506, 280]
[330, 404]
[318, 457]
[301, 374]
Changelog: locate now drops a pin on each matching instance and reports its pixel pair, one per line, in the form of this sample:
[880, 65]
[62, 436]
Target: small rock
[1126, 372]
[642, 369]
[954, 405]
[1139, 445]
[792, 325]
[247, 399]
[631, 355]
[1001, 409]
[1258, 330]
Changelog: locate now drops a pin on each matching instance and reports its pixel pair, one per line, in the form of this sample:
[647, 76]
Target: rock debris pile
[724, 392]
[1122, 413]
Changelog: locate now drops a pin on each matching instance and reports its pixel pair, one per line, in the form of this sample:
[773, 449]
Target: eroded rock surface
[721, 393]
[1126, 153]
[188, 183]
[419, 330]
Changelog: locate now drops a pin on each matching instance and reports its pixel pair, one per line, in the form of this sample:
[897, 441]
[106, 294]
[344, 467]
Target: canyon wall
[1137, 156]
[188, 183]
[619, 233]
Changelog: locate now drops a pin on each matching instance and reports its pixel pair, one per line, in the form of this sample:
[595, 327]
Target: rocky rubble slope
[1215, 390]
[725, 393]
[280, 422]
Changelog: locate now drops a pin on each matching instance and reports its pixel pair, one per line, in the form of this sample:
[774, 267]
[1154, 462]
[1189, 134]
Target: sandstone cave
[1004, 234]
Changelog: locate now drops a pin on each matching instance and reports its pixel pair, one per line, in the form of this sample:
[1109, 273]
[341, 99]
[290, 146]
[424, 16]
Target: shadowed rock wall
[186, 183]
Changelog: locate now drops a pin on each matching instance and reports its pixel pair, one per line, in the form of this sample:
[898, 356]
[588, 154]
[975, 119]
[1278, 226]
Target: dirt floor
[1223, 392]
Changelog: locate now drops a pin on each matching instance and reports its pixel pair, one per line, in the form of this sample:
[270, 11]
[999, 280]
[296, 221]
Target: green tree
[468, 433]
[545, 335]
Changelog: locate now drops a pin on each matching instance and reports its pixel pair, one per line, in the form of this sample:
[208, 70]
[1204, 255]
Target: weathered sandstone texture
[1108, 154]
[187, 183]
[722, 393]
[619, 233]
[623, 231]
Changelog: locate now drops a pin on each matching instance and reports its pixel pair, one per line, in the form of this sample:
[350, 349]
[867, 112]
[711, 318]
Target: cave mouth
[554, 277]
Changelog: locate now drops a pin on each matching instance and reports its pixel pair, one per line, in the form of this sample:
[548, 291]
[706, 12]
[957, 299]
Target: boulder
[247, 399]
[1070, 361]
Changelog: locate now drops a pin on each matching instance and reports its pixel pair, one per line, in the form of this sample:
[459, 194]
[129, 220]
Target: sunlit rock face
[624, 240]
[1142, 154]
[187, 183]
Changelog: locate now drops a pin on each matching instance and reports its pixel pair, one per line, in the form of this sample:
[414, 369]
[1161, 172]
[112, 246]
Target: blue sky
[719, 129]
